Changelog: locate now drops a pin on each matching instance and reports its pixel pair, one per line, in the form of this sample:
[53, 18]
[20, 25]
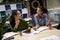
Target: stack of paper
[37, 31]
[42, 29]
[55, 24]
[9, 34]
[52, 37]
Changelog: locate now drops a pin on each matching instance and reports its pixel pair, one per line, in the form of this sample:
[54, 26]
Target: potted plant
[2, 26]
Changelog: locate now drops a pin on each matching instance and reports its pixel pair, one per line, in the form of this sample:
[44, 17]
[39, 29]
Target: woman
[17, 23]
[41, 18]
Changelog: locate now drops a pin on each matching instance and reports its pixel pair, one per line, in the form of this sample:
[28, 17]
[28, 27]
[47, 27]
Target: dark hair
[43, 9]
[12, 19]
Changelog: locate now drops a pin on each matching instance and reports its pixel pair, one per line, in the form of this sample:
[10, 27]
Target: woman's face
[18, 16]
[39, 11]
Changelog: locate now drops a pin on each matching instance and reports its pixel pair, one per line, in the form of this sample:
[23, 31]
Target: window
[7, 7]
[53, 7]
[24, 15]
[3, 13]
[19, 6]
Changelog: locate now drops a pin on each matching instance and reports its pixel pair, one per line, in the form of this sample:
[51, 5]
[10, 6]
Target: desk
[35, 36]
[39, 35]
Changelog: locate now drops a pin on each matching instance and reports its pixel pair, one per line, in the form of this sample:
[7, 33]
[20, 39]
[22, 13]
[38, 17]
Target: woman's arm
[50, 19]
[16, 24]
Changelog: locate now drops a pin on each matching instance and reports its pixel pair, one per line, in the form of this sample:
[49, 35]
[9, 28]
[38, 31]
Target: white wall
[53, 4]
[53, 7]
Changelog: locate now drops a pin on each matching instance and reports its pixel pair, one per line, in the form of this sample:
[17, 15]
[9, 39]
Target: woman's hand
[36, 27]
[16, 24]
[50, 19]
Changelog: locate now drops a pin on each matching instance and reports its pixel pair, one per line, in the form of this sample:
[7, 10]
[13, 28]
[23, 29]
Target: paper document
[55, 24]
[37, 31]
[42, 29]
[9, 34]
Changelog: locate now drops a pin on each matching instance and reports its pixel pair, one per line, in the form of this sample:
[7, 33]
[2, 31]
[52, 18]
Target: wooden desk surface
[39, 35]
